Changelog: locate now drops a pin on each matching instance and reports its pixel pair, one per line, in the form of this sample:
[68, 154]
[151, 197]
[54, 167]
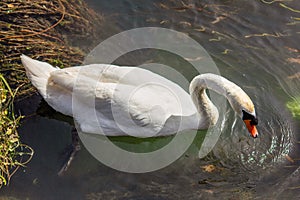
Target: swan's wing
[139, 112]
[140, 102]
[151, 87]
[127, 99]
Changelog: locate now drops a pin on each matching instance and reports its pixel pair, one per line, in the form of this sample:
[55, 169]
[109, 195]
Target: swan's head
[250, 121]
[244, 107]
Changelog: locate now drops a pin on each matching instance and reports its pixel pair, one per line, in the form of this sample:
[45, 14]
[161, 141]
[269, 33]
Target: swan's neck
[207, 111]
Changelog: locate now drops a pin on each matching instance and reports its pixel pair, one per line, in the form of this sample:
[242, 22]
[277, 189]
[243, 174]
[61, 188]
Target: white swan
[135, 101]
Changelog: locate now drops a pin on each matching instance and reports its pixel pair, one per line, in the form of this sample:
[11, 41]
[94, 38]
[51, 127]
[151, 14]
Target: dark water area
[256, 45]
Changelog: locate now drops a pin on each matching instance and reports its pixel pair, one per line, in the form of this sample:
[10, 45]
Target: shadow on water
[255, 44]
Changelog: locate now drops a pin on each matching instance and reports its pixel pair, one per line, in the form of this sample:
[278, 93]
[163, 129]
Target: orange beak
[251, 128]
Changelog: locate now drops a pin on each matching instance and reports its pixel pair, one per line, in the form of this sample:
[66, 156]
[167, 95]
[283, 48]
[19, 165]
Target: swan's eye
[248, 116]
[254, 121]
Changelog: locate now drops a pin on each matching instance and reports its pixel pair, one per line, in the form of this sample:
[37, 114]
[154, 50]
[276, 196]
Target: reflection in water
[255, 45]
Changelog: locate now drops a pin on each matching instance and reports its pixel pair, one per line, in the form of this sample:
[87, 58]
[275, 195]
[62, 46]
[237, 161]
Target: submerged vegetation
[13, 154]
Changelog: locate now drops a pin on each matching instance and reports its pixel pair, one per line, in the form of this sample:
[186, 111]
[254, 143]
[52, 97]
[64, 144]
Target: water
[252, 44]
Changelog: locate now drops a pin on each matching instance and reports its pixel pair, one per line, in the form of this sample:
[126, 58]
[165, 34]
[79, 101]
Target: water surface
[253, 43]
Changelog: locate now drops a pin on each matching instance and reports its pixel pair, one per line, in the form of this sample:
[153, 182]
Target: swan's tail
[38, 73]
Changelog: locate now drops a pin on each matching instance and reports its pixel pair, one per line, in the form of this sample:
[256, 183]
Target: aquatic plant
[294, 107]
[13, 154]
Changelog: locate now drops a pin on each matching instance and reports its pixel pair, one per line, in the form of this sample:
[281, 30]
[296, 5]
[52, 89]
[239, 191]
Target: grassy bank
[48, 30]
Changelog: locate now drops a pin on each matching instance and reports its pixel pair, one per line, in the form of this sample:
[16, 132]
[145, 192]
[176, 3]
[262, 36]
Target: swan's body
[134, 101]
